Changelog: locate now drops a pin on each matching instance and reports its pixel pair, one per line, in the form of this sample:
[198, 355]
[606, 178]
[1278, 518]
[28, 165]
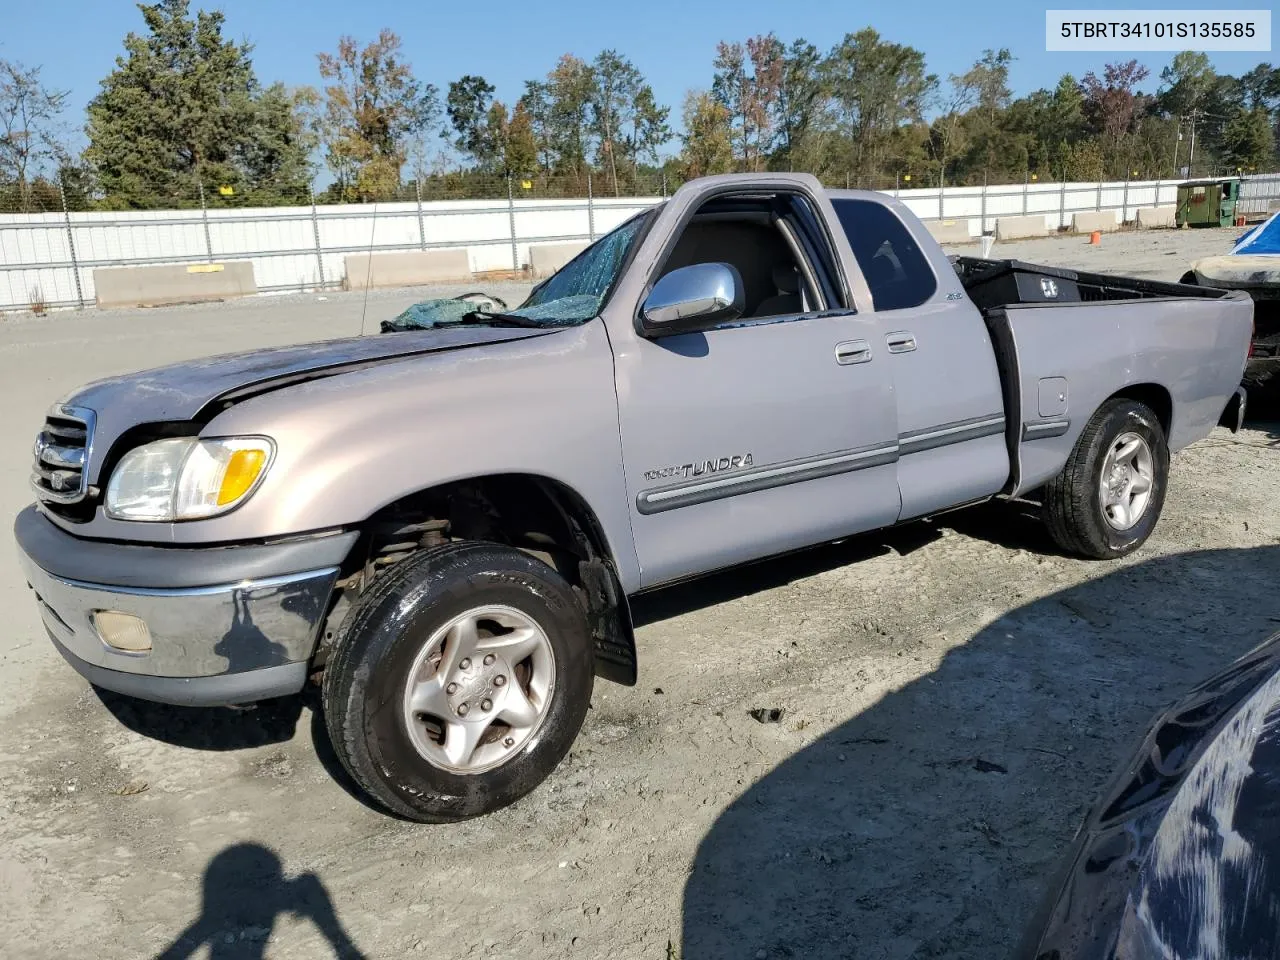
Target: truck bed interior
[991, 284]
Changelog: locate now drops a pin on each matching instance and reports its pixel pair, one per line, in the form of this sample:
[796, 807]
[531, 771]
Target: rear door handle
[900, 341]
[853, 351]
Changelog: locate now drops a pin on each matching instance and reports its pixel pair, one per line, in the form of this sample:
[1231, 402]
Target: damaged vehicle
[439, 528]
[1252, 266]
[1180, 856]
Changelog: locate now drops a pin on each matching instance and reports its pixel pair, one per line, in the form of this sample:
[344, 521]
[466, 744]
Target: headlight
[187, 478]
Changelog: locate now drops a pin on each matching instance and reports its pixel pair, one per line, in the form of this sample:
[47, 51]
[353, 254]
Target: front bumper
[227, 624]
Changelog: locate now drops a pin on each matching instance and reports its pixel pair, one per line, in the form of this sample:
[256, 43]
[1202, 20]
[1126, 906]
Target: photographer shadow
[244, 892]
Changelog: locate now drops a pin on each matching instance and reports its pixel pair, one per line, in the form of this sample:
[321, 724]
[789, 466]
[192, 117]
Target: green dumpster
[1208, 203]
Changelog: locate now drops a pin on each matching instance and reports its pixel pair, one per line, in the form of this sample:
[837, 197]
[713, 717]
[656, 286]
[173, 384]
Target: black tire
[365, 677]
[1073, 509]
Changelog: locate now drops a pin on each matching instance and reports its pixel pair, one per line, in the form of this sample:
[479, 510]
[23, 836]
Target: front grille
[62, 455]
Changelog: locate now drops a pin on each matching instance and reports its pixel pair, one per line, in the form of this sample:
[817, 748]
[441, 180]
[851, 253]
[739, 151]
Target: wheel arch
[537, 514]
[1076, 500]
[1038, 460]
[1152, 395]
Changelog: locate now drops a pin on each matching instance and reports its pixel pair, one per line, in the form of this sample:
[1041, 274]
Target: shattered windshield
[577, 291]
[571, 296]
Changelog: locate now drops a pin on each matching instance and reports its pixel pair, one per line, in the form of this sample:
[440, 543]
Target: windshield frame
[650, 216]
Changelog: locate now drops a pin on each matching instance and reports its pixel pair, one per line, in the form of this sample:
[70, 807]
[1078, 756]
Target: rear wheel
[1108, 497]
[459, 682]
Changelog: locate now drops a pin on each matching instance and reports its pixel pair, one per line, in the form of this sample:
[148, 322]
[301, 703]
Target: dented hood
[182, 391]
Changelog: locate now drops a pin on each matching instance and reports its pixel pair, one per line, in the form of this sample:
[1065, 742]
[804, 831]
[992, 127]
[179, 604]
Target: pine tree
[183, 109]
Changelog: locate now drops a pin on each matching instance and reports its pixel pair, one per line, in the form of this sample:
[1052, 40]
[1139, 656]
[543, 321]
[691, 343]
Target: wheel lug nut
[451, 689]
[465, 664]
[463, 709]
[499, 680]
[489, 658]
[486, 704]
[509, 742]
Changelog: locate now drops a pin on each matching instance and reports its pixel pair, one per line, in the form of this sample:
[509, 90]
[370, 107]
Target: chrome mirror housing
[692, 297]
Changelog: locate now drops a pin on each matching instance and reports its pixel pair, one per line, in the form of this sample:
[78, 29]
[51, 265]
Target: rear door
[754, 437]
[949, 404]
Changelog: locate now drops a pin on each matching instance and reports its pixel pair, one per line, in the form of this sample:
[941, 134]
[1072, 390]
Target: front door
[774, 432]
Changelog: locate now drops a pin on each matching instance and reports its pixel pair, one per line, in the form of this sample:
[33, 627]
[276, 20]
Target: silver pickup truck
[439, 529]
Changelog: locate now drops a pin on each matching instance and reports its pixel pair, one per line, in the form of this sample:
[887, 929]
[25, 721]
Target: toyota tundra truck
[437, 531]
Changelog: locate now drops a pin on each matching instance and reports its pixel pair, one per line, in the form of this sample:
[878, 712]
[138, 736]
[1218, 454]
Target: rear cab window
[895, 268]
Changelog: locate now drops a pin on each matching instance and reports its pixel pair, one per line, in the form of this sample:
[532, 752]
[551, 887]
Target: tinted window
[893, 264]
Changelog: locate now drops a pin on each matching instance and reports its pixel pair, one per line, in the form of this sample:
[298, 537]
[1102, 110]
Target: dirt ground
[860, 824]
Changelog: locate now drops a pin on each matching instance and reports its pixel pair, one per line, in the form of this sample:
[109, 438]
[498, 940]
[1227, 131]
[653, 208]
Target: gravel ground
[860, 824]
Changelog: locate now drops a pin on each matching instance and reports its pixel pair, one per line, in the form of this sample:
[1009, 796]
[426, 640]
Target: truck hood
[1254, 272]
[182, 391]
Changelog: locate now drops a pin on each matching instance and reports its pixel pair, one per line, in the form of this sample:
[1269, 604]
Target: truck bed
[999, 283]
[1066, 340]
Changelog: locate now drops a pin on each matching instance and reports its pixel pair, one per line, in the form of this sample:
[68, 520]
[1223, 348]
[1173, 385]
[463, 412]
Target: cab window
[893, 264]
[761, 239]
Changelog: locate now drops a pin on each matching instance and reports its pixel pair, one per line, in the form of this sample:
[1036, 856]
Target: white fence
[49, 258]
[1058, 201]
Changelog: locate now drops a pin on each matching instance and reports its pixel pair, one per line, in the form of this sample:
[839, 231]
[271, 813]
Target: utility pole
[1191, 157]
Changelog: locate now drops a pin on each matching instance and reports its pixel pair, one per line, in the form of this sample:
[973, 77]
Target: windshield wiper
[499, 319]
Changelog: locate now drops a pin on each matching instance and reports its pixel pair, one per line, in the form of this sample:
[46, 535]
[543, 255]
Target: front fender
[349, 445]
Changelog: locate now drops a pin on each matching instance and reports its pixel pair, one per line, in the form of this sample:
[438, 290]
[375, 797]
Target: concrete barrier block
[546, 258]
[1019, 228]
[1103, 221]
[1149, 217]
[406, 268]
[949, 231]
[154, 286]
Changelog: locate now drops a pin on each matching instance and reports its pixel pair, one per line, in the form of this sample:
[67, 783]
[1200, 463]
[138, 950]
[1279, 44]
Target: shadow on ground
[235, 728]
[929, 824]
[738, 582]
[244, 892]
[1263, 402]
[207, 728]
[1271, 425]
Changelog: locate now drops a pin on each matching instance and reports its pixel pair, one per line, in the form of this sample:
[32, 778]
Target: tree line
[869, 110]
[183, 117]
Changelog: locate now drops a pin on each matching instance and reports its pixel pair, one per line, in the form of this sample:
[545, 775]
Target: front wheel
[459, 682]
[1107, 499]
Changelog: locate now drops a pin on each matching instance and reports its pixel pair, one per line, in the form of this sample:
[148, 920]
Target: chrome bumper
[219, 644]
[1233, 413]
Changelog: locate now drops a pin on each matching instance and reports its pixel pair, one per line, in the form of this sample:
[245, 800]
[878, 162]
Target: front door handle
[853, 351]
[900, 341]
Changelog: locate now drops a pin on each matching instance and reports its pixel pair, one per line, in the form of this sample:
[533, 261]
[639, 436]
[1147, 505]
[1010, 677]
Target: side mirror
[692, 297]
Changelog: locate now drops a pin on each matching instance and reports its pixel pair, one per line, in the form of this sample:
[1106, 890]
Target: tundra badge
[722, 465]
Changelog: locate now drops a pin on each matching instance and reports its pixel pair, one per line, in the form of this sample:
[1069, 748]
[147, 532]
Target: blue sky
[673, 43]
